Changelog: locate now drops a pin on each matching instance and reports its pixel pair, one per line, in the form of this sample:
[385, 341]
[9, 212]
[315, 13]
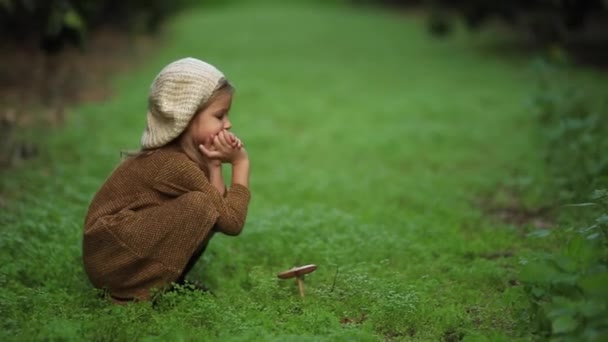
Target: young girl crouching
[153, 217]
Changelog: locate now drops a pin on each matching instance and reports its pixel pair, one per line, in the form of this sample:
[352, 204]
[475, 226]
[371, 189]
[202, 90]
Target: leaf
[579, 252]
[72, 19]
[602, 219]
[541, 233]
[587, 204]
[536, 272]
[595, 285]
[567, 262]
[599, 193]
[591, 308]
[566, 279]
[564, 324]
[562, 306]
[538, 292]
[586, 229]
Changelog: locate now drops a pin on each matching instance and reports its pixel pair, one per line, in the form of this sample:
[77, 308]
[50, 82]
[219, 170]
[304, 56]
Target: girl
[155, 214]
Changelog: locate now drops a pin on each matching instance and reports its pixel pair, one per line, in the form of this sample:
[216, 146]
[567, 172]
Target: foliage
[574, 123]
[567, 287]
[546, 20]
[568, 284]
[60, 22]
[546, 16]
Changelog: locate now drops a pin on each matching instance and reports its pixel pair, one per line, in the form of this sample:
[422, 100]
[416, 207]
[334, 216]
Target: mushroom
[299, 273]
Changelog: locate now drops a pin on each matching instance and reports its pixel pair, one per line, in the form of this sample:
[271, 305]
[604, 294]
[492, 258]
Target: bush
[54, 24]
[546, 20]
[568, 288]
[568, 285]
[549, 15]
[574, 127]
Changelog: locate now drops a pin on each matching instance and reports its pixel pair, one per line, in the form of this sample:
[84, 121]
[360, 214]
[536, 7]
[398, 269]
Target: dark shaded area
[453, 336]
[353, 320]
[490, 255]
[505, 205]
[545, 18]
[577, 29]
[36, 88]
[56, 24]
[60, 52]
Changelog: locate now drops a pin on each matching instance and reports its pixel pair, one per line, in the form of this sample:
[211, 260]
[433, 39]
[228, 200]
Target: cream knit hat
[175, 95]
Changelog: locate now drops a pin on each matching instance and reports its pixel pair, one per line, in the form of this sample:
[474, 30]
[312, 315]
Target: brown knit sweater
[148, 219]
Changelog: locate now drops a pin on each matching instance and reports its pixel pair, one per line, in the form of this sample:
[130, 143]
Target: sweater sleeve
[180, 175]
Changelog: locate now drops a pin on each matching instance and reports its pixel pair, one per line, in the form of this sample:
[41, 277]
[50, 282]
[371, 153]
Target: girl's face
[211, 120]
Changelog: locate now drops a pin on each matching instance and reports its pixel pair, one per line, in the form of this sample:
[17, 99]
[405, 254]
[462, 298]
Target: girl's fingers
[228, 136]
[227, 139]
[209, 143]
[233, 140]
[209, 153]
[217, 142]
[220, 145]
[223, 139]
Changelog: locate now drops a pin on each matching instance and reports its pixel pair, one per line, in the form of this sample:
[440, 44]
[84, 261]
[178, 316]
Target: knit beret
[175, 95]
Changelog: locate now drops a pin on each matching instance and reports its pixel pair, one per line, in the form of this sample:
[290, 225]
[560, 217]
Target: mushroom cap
[297, 271]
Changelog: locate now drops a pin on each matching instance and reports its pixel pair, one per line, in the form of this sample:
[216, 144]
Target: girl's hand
[209, 145]
[226, 148]
[234, 141]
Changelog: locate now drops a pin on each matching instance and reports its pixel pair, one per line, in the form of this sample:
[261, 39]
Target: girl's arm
[178, 174]
[240, 171]
[227, 147]
[216, 178]
[240, 163]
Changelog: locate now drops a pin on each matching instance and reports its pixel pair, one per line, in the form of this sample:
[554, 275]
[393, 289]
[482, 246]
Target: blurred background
[456, 147]
[59, 52]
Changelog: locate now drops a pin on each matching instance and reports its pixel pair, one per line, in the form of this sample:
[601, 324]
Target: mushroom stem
[298, 273]
[300, 286]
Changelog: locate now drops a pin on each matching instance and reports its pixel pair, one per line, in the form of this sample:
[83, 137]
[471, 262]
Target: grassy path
[370, 142]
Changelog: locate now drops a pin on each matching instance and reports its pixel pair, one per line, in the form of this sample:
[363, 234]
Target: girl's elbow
[234, 228]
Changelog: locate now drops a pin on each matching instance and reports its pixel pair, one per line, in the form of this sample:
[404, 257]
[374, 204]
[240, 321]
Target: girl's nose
[227, 124]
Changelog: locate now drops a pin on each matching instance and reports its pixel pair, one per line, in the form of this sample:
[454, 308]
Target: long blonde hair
[183, 141]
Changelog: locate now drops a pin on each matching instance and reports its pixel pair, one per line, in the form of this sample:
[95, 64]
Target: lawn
[372, 146]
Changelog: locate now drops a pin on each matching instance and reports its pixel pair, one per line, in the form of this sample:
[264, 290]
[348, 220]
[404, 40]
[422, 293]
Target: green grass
[370, 142]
